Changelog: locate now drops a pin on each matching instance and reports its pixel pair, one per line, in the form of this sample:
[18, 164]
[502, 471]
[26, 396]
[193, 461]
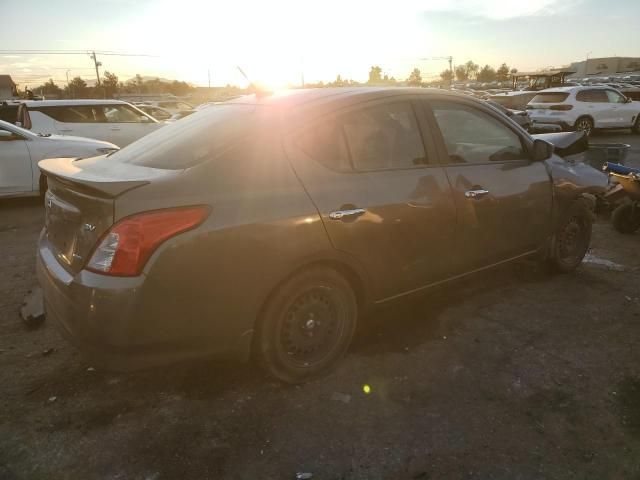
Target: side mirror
[628, 100]
[541, 150]
[144, 118]
[18, 124]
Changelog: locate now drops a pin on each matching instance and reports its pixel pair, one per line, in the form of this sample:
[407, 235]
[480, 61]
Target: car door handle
[115, 128]
[340, 214]
[476, 193]
[65, 129]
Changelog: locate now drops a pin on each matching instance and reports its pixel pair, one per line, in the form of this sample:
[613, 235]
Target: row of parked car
[36, 129]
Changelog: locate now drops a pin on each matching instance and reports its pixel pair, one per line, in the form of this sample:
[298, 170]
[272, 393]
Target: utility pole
[97, 64]
[451, 71]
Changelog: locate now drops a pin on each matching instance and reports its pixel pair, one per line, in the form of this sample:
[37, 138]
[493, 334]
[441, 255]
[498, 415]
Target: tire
[306, 326]
[584, 124]
[626, 218]
[572, 238]
[636, 125]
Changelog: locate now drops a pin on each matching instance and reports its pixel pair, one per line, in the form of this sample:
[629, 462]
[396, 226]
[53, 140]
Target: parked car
[108, 120]
[21, 150]
[583, 108]
[519, 116]
[269, 225]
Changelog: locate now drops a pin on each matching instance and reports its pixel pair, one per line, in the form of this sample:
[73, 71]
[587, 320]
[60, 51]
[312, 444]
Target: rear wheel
[572, 238]
[626, 218]
[584, 124]
[306, 326]
[636, 125]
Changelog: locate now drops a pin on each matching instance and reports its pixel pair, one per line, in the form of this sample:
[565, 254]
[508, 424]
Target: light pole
[586, 64]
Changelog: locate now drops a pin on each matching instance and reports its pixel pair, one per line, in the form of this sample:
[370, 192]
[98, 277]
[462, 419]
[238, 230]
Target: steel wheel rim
[572, 240]
[312, 326]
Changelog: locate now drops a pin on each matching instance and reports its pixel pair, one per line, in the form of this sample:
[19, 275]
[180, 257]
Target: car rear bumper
[108, 320]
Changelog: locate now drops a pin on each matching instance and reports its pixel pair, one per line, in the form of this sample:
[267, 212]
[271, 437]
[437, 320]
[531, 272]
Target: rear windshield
[550, 97]
[194, 139]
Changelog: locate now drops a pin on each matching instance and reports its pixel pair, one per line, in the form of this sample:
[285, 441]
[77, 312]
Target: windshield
[195, 139]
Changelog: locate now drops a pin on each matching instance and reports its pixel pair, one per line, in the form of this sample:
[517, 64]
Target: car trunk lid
[79, 203]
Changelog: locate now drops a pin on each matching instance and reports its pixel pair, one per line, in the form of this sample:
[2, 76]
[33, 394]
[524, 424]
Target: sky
[276, 42]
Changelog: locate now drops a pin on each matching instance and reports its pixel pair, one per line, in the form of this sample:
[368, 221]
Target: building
[607, 66]
[8, 89]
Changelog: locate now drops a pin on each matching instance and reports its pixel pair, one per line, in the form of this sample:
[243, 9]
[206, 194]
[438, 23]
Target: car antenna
[257, 90]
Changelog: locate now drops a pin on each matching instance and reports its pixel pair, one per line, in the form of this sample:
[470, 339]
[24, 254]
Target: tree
[446, 76]
[77, 88]
[110, 84]
[461, 73]
[49, 88]
[502, 74]
[471, 69]
[375, 75]
[415, 78]
[514, 70]
[487, 74]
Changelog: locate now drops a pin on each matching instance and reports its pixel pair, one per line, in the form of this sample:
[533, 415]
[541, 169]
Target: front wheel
[307, 325]
[626, 218]
[572, 238]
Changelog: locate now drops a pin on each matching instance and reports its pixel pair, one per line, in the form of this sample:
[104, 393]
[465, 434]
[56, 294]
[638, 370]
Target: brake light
[126, 247]
[561, 107]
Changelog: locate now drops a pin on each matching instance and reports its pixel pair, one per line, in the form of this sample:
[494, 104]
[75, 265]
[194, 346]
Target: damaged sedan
[266, 227]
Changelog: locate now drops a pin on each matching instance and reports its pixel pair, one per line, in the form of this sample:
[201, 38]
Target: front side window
[384, 137]
[473, 136]
[122, 114]
[592, 96]
[550, 97]
[614, 97]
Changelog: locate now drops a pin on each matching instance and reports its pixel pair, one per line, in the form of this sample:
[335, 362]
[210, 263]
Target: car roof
[575, 89]
[305, 96]
[63, 103]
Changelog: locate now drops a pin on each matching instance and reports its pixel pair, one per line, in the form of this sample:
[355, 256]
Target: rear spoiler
[104, 178]
[566, 143]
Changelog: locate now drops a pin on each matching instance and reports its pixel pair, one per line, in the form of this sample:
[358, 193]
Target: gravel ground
[514, 374]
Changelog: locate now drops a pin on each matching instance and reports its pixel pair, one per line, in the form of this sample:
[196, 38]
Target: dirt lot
[514, 374]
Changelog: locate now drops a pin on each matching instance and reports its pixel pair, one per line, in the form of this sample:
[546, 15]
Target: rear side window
[550, 97]
[384, 137]
[73, 114]
[326, 144]
[9, 113]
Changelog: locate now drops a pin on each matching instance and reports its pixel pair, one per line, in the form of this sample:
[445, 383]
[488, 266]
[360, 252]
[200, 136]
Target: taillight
[126, 247]
[561, 107]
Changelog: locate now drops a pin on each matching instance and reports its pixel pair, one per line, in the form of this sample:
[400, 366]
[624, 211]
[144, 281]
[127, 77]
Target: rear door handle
[65, 130]
[476, 193]
[340, 214]
[115, 128]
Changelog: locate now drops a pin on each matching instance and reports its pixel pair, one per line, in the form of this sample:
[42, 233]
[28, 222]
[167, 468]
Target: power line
[74, 52]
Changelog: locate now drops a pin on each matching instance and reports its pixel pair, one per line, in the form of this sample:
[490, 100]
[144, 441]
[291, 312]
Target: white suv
[583, 108]
[108, 120]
